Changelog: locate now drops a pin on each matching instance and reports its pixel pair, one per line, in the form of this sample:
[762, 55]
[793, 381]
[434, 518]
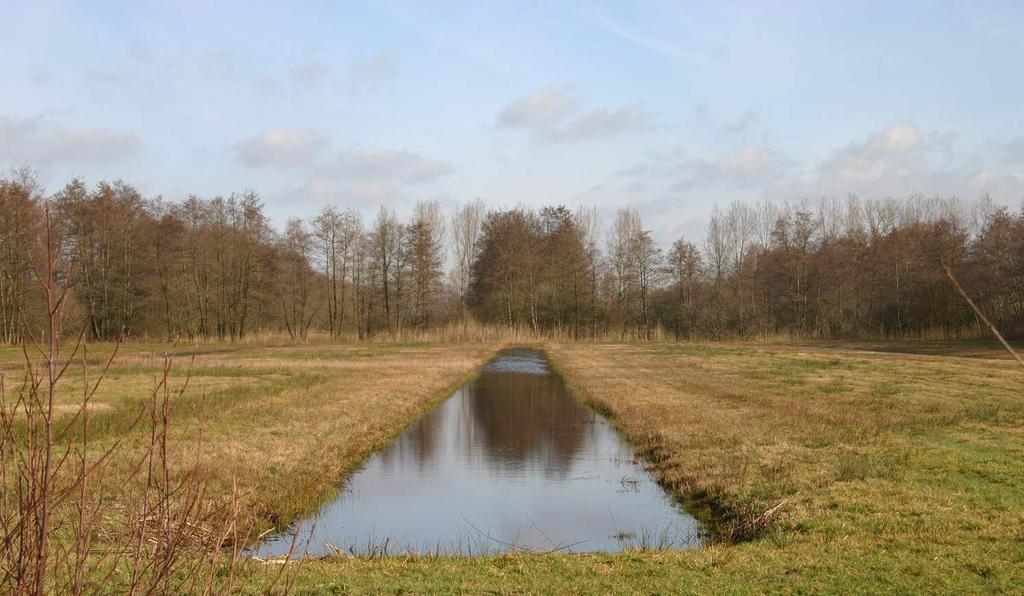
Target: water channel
[510, 462]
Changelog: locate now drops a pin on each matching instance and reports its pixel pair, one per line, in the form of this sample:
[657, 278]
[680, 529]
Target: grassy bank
[888, 470]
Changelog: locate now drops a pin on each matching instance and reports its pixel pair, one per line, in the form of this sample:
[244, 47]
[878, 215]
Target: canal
[510, 462]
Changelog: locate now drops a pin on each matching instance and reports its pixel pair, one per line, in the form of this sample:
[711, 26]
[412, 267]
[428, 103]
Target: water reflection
[511, 461]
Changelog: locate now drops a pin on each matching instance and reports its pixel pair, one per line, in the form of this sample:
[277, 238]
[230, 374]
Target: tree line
[216, 268]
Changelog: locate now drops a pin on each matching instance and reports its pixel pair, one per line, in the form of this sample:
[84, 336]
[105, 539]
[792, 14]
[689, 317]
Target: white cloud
[602, 123]
[748, 121]
[41, 75]
[280, 147]
[702, 114]
[141, 51]
[753, 166]
[393, 166]
[633, 171]
[554, 114]
[903, 160]
[367, 177]
[218, 65]
[322, 190]
[544, 109]
[309, 73]
[635, 187]
[371, 73]
[371, 177]
[107, 79]
[898, 140]
[900, 160]
[34, 141]
[1013, 151]
[897, 160]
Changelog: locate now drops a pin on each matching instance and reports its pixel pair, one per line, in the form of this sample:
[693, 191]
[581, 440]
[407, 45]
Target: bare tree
[588, 222]
[716, 245]
[466, 223]
[647, 260]
[19, 216]
[327, 226]
[214, 268]
[295, 298]
[621, 259]
[425, 249]
[684, 268]
[386, 240]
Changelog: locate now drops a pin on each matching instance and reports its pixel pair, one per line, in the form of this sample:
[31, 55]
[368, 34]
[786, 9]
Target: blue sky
[668, 107]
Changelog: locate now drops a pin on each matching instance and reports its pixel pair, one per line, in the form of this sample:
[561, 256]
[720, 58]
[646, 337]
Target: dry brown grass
[862, 460]
[296, 445]
[285, 424]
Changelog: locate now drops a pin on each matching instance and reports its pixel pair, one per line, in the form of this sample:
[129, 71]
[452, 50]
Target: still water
[509, 462]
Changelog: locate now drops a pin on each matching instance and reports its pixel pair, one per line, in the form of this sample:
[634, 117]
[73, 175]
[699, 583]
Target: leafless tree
[466, 224]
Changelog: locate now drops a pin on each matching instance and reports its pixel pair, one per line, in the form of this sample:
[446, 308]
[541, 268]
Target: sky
[667, 107]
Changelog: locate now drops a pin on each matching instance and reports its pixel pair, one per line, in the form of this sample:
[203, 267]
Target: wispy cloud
[1013, 151]
[544, 109]
[751, 167]
[395, 166]
[903, 159]
[893, 152]
[370, 73]
[309, 73]
[748, 121]
[280, 147]
[897, 161]
[555, 114]
[647, 42]
[36, 141]
[602, 123]
[367, 177]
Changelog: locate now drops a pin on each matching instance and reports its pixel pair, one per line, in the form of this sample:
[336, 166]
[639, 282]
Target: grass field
[822, 467]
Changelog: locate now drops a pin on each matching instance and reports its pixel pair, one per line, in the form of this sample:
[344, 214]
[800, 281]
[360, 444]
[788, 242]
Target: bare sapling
[79, 514]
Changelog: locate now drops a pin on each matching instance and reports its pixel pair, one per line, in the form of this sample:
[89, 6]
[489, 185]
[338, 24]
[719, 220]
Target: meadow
[817, 467]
